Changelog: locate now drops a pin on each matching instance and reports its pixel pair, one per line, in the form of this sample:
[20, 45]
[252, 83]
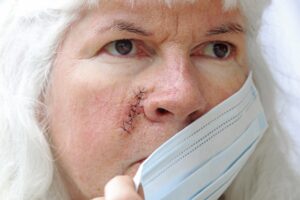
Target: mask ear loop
[137, 182]
[137, 178]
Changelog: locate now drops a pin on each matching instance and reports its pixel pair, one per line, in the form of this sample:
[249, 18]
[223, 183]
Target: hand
[120, 188]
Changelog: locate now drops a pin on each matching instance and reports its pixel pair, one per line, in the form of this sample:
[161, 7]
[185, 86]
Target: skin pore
[128, 77]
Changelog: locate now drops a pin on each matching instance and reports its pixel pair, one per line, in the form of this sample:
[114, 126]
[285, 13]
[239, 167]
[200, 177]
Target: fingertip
[121, 187]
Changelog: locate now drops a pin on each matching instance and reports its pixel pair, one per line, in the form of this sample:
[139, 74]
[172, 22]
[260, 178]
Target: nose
[176, 96]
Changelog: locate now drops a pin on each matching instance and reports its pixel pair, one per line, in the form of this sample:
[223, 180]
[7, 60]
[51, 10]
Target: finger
[121, 188]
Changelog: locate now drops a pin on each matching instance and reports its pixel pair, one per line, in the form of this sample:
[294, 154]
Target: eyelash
[232, 49]
[141, 50]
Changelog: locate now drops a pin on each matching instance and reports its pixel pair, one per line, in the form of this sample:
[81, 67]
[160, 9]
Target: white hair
[30, 33]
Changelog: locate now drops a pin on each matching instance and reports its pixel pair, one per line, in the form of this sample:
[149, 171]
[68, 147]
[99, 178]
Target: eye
[121, 48]
[220, 50]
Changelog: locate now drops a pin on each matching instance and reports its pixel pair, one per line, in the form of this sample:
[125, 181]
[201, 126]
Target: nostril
[161, 111]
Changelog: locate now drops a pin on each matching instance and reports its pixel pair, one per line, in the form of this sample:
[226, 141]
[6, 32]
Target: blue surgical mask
[201, 161]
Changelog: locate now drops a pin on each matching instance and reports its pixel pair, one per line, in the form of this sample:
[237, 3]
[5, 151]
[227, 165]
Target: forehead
[170, 3]
[167, 5]
[198, 12]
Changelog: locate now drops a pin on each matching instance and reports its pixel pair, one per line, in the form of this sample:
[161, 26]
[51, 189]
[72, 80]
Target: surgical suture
[135, 109]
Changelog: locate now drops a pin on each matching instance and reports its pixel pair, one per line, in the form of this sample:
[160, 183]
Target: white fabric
[200, 161]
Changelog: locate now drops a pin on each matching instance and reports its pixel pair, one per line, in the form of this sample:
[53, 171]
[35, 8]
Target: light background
[281, 37]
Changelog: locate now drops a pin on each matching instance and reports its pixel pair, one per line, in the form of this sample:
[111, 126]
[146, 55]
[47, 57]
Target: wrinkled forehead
[170, 3]
[71, 5]
[143, 6]
[204, 5]
[201, 5]
[202, 13]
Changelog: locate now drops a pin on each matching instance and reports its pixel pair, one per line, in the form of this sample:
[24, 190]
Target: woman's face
[128, 77]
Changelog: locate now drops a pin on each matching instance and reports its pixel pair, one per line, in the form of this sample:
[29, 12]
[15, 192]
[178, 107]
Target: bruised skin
[108, 113]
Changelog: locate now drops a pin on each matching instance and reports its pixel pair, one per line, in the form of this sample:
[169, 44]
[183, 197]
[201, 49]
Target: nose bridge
[179, 74]
[184, 86]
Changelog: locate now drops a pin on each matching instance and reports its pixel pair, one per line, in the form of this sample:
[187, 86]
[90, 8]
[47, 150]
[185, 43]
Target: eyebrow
[130, 27]
[226, 28]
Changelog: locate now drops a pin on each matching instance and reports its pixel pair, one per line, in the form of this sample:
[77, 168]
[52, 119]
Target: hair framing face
[30, 34]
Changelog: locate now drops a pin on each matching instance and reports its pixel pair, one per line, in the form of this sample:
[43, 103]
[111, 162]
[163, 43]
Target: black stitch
[134, 110]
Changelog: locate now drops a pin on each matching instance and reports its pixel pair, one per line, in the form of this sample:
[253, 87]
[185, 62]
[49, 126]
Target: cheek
[87, 118]
[85, 130]
[84, 105]
[216, 87]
